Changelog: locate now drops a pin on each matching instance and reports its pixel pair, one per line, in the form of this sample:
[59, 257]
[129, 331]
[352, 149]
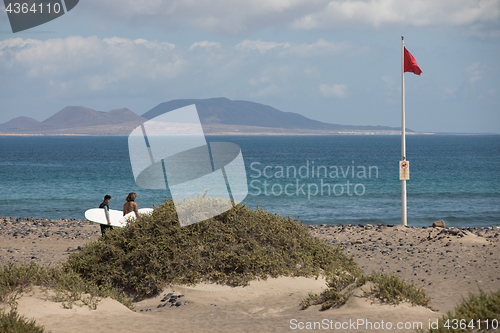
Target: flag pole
[403, 132]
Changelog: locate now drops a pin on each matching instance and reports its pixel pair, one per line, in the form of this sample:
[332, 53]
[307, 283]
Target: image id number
[25, 8]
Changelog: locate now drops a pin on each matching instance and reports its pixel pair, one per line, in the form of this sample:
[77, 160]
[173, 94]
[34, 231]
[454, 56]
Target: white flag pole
[403, 131]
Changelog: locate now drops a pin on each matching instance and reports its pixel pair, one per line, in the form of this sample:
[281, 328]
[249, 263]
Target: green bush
[341, 285]
[465, 317]
[69, 286]
[16, 277]
[12, 322]
[233, 248]
[393, 289]
[386, 287]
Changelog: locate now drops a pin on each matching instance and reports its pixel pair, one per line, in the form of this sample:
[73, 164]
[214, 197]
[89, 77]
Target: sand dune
[447, 263]
[263, 306]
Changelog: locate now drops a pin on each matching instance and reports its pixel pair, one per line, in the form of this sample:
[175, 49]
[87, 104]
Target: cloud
[262, 79]
[267, 91]
[336, 90]
[244, 16]
[448, 93]
[89, 63]
[258, 45]
[54, 57]
[94, 70]
[319, 48]
[228, 16]
[380, 13]
[204, 45]
[474, 72]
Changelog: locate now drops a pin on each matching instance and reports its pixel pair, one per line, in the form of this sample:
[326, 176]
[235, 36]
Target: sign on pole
[404, 170]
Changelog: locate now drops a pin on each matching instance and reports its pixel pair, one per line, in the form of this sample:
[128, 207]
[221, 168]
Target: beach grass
[12, 322]
[388, 288]
[392, 289]
[478, 313]
[70, 288]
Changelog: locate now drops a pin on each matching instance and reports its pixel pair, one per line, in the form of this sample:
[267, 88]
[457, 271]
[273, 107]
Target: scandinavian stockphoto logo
[171, 150]
[26, 14]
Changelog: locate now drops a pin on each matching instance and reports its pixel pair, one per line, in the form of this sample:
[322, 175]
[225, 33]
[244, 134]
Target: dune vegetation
[233, 248]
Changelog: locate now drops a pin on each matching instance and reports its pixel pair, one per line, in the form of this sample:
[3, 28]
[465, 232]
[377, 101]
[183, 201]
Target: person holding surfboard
[130, 205]
[105, 205]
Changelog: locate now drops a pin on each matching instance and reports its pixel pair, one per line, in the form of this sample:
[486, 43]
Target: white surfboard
[131, 215]
[97, 215]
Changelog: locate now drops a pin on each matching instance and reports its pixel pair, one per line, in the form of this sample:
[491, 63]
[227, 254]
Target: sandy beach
[448, 263]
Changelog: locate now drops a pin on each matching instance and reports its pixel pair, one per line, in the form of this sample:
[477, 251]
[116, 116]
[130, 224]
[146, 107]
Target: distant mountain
[78, 120]
[217, 115]
[19, 123]
[223, 111]
[79, 116]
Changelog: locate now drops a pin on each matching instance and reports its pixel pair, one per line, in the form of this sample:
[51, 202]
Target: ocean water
[318, 179]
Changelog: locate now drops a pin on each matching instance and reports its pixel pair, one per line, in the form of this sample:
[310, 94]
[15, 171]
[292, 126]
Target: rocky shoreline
[364, 237]
[43, 241]
[447, 263]
[83, 229]
[64, 228]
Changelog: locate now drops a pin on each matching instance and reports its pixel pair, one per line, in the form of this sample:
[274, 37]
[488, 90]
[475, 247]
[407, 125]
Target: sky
[335, 61]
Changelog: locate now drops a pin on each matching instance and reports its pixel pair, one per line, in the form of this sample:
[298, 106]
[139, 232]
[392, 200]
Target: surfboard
[131, 215]
[97, 215]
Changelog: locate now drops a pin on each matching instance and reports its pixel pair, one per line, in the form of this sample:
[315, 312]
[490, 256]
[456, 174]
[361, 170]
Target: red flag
[411, 64]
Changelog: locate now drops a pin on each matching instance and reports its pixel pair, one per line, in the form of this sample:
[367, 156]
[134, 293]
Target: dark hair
[107, 197]
[131, 196]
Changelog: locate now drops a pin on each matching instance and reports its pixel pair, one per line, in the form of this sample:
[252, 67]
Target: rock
[167, 297]
[454, 231]
[438, 224]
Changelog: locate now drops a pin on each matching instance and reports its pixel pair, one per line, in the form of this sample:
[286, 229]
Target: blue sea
[318, 179]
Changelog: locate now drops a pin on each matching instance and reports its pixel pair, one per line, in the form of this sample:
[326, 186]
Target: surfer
[130, 205]
[105, 205]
